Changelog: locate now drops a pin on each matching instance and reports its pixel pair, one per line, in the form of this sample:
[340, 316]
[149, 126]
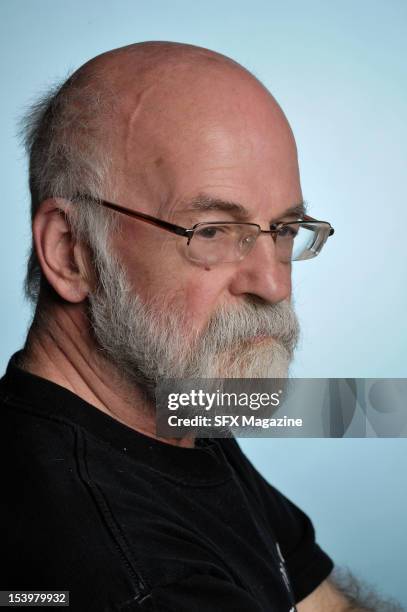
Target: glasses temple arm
[166, 225]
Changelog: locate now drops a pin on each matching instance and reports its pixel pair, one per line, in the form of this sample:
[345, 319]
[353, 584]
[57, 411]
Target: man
[139, 143]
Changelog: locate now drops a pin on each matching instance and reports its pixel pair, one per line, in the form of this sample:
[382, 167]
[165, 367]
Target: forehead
[223, 136]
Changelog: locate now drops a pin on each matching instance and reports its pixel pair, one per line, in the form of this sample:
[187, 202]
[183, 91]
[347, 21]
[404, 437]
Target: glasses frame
[189, 232]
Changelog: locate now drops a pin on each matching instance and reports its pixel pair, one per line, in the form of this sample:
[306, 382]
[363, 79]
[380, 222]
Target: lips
[261, 338]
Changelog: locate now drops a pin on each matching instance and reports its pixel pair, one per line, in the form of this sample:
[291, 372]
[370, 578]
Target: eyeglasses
[215, 242]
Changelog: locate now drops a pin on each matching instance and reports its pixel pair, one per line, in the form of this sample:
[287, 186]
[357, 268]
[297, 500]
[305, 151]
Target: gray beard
[149, 343]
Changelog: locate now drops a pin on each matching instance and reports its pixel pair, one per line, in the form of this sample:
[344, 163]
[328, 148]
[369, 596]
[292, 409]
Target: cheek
[161, 276]
[150, 260]
[200, 300]
[195, 296]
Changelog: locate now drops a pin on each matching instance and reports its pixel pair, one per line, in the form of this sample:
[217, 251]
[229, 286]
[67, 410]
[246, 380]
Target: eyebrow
[205, 202]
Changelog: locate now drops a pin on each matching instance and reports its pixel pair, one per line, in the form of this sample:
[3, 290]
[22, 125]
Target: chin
[266, 358]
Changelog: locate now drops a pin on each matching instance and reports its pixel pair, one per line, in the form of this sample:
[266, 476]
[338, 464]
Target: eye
[210, 232]
[287, 231]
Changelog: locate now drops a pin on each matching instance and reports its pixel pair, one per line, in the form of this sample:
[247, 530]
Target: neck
[61, 349]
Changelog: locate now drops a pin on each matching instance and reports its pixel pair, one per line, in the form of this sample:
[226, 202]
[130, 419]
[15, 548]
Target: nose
[261, 274]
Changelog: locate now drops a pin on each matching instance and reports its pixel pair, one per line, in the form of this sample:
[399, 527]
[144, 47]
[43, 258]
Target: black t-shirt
[125, 522]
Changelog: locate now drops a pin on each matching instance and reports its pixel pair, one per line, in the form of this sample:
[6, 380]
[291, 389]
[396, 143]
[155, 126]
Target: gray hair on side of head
[69, 155]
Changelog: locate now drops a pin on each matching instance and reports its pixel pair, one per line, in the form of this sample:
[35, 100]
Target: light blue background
[339, 71]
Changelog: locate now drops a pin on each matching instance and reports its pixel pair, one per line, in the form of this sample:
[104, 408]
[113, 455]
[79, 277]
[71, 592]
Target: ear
[64, 262]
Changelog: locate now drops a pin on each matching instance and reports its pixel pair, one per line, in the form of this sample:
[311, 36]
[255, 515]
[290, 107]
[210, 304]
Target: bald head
[177, 107]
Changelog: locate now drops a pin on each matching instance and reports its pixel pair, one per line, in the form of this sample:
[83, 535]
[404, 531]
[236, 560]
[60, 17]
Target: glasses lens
[296, 242]
[214, 243]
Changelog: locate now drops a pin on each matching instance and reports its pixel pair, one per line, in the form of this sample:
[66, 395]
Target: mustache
[230, 328]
